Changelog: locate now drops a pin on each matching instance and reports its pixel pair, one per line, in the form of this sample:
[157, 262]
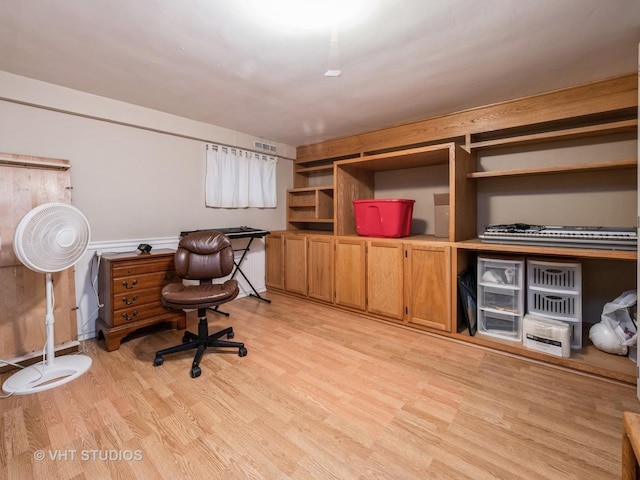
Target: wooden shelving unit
[590, 114]
[355, 180]
[310, 205]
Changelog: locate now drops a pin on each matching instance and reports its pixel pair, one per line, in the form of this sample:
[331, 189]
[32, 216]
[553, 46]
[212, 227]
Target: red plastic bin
[385, 217]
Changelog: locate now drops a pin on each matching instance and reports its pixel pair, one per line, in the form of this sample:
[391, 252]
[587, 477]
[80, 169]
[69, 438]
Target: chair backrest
[204, 256]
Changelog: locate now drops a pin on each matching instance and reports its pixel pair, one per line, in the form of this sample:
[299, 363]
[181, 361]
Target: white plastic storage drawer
[546, 335]
[575, 329]
[500, 272]
[499, 297]
[502, 325]
[554, 304]
[556, 276]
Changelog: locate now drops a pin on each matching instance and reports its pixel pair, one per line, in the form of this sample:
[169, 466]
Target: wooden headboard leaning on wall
[25, 183]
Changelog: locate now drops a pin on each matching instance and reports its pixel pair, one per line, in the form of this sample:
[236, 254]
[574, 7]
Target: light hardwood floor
[320, 395]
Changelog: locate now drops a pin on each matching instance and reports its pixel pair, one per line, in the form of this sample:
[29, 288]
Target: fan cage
[52, 237]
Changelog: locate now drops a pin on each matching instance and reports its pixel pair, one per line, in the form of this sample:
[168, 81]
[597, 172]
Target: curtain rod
[132, 125]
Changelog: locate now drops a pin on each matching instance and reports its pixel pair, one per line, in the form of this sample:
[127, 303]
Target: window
[240, 179]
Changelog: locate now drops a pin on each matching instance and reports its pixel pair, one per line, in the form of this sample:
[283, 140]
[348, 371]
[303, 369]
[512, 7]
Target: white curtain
[239, 179]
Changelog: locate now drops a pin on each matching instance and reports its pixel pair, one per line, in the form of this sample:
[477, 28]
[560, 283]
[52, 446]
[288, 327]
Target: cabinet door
[295, 264]
[350, 271]
[320, 256]
[428, 278]
[274, 258]
[385, 282]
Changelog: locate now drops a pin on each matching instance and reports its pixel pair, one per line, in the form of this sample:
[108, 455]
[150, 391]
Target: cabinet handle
[130, 302]
[167, 277]
[126, 285]
[128, 318]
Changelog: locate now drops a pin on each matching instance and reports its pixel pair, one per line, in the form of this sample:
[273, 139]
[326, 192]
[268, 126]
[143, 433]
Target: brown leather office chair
[202, 256]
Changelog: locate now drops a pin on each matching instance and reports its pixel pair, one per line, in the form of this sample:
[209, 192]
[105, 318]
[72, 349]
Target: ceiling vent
[267, 147]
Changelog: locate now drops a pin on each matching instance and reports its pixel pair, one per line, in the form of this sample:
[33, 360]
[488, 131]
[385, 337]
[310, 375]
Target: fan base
[40, 377]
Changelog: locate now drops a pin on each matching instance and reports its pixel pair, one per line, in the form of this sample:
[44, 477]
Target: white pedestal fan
[50, 238]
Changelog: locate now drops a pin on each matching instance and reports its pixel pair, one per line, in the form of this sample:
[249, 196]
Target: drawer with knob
[129, 286]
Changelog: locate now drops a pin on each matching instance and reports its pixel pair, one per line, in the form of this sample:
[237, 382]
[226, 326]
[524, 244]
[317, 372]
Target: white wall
[130, 182]
[137, 174]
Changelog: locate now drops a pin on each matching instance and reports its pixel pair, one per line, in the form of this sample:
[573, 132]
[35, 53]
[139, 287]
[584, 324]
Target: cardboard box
[441, 207]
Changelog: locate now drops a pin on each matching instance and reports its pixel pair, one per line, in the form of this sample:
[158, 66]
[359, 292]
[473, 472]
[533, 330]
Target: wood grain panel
[429, 286]
[23, 307]
[351, 184]
[26, 182]
[590, 99]
[320, 270]
[274, 258]
[295, 264]
[350, 273]
[385, 279]
[463, 203]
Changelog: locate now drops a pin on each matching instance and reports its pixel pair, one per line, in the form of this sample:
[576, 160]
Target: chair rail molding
[86, 273]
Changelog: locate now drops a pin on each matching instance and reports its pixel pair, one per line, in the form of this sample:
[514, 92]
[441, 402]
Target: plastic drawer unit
[501, 297]
[554, 290]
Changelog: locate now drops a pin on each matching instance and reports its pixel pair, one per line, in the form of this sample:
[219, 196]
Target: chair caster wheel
[185, 339]
[195, 372]
[158, 361]
[242, 352]
[230, 335]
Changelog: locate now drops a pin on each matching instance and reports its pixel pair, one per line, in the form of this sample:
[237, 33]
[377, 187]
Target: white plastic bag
[617, 316]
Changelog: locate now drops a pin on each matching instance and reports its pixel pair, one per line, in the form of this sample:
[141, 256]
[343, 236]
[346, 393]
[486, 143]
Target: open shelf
[588, 359]
[318, 169]
[564, 134]
[554, 169]
[477, 244]
[310, 204]
[400, 159]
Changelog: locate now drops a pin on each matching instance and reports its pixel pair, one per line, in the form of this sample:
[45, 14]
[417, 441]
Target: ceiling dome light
[308, 14]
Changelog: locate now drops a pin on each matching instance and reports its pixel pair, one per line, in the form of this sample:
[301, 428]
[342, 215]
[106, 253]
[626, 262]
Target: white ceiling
[404, 60]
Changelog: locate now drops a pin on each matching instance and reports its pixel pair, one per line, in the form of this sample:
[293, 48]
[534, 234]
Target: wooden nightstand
[129, 286]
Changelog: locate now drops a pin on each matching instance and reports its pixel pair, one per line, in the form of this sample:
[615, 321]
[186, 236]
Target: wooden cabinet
[350, 273]
[300, 264]
[129, 289]
[410, 283]
[295, 264]
[490, 160]
[385, 279]
[320, 267]
[274, 257]
[428, 280]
